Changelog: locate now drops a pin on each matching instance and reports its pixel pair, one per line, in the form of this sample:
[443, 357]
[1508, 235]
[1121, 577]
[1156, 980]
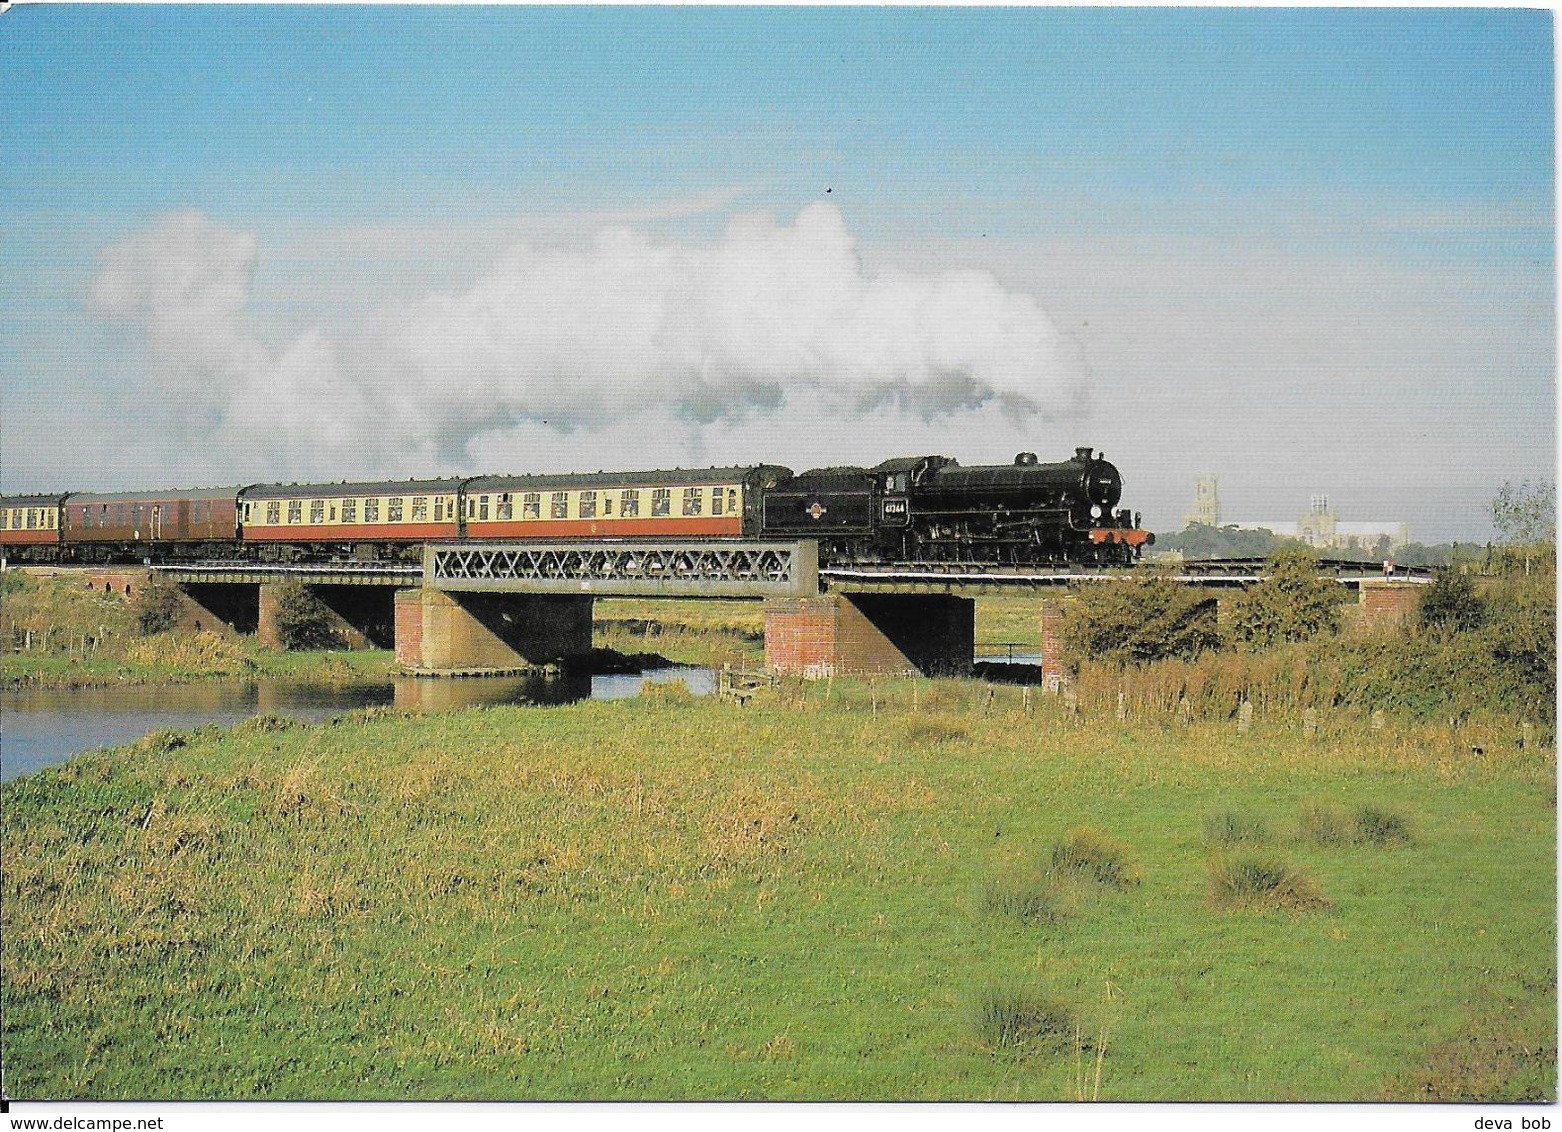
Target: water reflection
[43, 726]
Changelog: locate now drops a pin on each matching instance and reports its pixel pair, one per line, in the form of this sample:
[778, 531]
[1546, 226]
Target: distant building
[1320, 528]
[1206, 503]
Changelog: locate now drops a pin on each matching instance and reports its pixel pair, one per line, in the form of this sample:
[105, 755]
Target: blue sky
[1307, 250]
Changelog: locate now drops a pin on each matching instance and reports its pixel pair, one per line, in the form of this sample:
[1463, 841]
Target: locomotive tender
[913, 509]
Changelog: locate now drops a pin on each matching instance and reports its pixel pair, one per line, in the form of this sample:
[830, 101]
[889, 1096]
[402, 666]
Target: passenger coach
[677, 503]
[288, 520]
[108, 526]
[30, 527]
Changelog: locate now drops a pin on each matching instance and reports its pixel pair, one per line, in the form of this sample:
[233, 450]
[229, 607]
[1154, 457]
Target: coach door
[157, 521]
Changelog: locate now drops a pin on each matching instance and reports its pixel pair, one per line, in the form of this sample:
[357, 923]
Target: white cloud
[583, 340]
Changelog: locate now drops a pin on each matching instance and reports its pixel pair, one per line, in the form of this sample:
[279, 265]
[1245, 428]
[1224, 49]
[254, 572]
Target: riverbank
[842, 891]
[184, 658]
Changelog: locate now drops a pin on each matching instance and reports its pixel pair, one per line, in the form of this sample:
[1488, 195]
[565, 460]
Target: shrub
[1450, 604]
[1009, 1020]
[1091, 854]
[1231, 828]
[1263, 883]
[1292, 604]
[1138, 622]
[155, 607]
[302, 620]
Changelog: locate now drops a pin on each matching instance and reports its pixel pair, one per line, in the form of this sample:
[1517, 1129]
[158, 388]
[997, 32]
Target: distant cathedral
[1206, 503]
[1319, 527]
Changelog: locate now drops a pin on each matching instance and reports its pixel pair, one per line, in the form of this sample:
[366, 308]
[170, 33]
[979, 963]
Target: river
[43, 726]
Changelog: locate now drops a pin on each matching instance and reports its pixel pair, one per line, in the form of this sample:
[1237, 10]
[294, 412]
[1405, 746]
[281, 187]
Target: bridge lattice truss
[669, 569]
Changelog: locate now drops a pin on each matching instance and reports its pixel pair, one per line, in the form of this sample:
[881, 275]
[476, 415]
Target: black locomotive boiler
[931, 509]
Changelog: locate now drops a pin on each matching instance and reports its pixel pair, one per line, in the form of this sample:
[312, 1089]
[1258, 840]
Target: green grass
[674, 897]
[182, 658]
[710, 633]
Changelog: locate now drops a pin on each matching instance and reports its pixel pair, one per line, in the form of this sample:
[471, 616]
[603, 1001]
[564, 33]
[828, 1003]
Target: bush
[1292, 604]
[1138, 622]
[1450, 604]
[302, 620]
[155, 607]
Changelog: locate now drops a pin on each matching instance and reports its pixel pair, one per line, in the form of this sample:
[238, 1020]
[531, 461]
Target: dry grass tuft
[1263, 884]
[933, 734]
[1231, 828]
[1486, 1062]
[1331, 827]
[1090, 854]
[1030, 902]
[1015, 1021]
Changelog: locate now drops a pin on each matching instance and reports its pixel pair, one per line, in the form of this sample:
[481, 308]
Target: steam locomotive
[914, 509]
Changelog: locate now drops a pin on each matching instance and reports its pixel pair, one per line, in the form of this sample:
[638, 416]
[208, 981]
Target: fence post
[1245, 717]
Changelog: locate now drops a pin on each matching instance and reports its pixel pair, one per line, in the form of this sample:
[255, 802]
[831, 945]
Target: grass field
[846, 891]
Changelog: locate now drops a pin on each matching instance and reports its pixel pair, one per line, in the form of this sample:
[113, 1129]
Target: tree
[1292, 604]
[1526, 516]
[302, 620]
[1450, 603]
[1139, 621]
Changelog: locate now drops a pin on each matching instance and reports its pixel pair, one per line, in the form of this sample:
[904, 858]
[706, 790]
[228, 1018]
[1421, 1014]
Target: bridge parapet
[628, 569]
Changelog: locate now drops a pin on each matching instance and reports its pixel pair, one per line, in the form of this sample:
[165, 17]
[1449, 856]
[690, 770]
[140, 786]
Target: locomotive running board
[627, 569]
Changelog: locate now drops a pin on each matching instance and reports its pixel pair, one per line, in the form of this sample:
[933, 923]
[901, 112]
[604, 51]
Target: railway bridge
[484, 606]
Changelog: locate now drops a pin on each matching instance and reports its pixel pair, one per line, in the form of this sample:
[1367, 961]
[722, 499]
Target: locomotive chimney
[1082, 454]
[1024, 459]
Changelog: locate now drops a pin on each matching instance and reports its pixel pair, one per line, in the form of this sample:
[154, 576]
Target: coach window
[273, 512]
[607, 503]
[588, 505]
[732, 501]
[103, 515]
[439, 510]
[420, 508]
[662, 501]
[317, 511]
[349, 510]
[531, 505]
[629, 503]
[5, 520]
[32, 518]
[393, 510]
[715, 501]
[482, 507]
[505, 507]
[558, 505]
[86, 518]
[371, 510]
[693, 501]
[295, 510]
